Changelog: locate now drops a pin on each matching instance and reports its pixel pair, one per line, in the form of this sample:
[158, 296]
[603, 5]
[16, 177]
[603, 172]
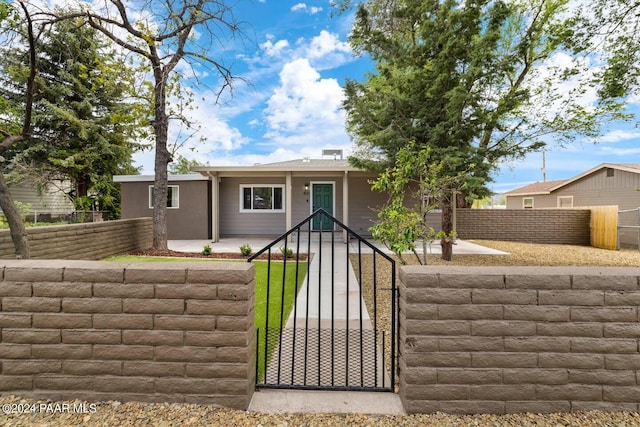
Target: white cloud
[302, 7]
[299, 6]
[303, 99]
[617, 151]
[274, 49]
[619, 135]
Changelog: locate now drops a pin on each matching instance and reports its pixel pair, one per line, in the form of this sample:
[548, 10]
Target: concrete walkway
[462, 247]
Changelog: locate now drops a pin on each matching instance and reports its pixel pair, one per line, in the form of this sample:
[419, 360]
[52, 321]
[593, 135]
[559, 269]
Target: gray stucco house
[258, 200]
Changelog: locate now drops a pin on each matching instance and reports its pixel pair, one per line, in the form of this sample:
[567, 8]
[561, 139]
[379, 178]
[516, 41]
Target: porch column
[345, 205]
[215, 207]
[288, 201]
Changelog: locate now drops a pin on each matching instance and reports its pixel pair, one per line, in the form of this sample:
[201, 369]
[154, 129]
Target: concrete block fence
[165, 332]
[519, 339]
[90, 241]
[554, 226]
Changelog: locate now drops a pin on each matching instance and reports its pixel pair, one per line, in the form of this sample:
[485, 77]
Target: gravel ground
[165, 415]
[147, 414]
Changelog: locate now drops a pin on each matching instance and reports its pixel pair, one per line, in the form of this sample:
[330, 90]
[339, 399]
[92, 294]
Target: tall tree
[15, 126]
[165, 33]
[472, 81]
[85, 118]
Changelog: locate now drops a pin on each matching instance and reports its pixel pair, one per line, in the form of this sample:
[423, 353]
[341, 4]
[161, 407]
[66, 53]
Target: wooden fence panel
[604, 227]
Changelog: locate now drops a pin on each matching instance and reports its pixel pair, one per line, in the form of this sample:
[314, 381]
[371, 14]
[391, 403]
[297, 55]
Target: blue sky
[295, 61]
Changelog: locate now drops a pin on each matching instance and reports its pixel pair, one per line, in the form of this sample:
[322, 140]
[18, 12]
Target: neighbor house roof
[548, 187]
[536, 188]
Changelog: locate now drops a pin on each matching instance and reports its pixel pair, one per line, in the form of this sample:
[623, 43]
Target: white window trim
[565, 197]
[176, 188]
[241, 199]
[524, 205]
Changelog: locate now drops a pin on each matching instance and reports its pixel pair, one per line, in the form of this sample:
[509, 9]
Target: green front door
[322, 198]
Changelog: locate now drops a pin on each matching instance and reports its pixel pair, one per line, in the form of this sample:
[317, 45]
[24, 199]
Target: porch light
[306, 188]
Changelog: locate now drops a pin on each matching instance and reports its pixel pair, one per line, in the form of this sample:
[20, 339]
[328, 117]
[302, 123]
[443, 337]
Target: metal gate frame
[306, 379]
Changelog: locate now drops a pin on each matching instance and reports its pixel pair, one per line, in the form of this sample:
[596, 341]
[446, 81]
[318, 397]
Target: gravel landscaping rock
[169, 415]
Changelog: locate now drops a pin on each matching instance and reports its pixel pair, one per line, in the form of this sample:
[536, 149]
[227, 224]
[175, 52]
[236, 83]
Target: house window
[173, 196]
[610, 172]
[565, 201]
[260, 198]
[527, 202]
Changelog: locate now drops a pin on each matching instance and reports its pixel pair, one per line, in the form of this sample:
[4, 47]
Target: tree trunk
[16, 225]
[162, 159]
[447, 227]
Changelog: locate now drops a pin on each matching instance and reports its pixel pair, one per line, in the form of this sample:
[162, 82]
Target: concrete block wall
[89, 241]
[555, 226]
[519, 339]
[160, 332]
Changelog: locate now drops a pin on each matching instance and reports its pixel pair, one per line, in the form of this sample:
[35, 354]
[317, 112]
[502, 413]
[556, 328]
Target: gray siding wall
[596, 189]
[363, 204]
[236, 223]
[189, 221]
[233, 222]
[52, 200]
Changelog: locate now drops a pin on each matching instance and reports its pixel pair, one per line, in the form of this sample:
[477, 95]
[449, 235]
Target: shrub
[245, 249]
[288, 252]
[206, 250]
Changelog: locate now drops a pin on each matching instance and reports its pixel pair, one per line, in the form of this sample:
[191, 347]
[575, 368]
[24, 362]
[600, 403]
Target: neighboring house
[608, 184]
[258, 200]
[50, 203]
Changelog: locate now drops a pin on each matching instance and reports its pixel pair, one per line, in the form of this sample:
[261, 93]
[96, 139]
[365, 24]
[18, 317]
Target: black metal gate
[314, 329]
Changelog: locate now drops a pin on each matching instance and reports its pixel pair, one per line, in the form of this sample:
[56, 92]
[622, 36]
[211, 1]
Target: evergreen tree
[467, 81]
[84, 121]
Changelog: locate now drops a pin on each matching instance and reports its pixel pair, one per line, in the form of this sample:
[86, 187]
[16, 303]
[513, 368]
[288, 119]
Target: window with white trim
[173, 196]
[261, 198]
[565, 201]
[527, 202]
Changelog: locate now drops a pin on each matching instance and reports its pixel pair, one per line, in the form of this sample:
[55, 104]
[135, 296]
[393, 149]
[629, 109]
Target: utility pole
[544, 166]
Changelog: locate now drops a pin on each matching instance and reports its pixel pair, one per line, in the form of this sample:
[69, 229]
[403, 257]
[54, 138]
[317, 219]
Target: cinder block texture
[558, 226]
[515, 339]
[92, 240]
[158, 332]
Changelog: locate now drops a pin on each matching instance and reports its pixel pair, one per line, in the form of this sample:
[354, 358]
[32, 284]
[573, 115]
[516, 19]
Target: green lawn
[277, 317]
[275, 291]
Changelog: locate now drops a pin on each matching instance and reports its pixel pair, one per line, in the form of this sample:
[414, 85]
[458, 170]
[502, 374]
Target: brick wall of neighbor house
[556, 226]
[93, 240]
[159, 332]
[519, 339]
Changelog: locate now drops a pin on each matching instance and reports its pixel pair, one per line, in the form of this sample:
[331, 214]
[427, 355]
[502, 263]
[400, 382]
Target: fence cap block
[221, 272]
[33, 270]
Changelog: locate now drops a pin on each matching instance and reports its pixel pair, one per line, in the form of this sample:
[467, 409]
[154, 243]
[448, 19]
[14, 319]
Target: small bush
[206, 251]
[288, 252]
[245, 249]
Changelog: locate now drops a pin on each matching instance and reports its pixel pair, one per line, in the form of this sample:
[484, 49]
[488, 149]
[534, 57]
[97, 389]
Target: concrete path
[462, 247]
